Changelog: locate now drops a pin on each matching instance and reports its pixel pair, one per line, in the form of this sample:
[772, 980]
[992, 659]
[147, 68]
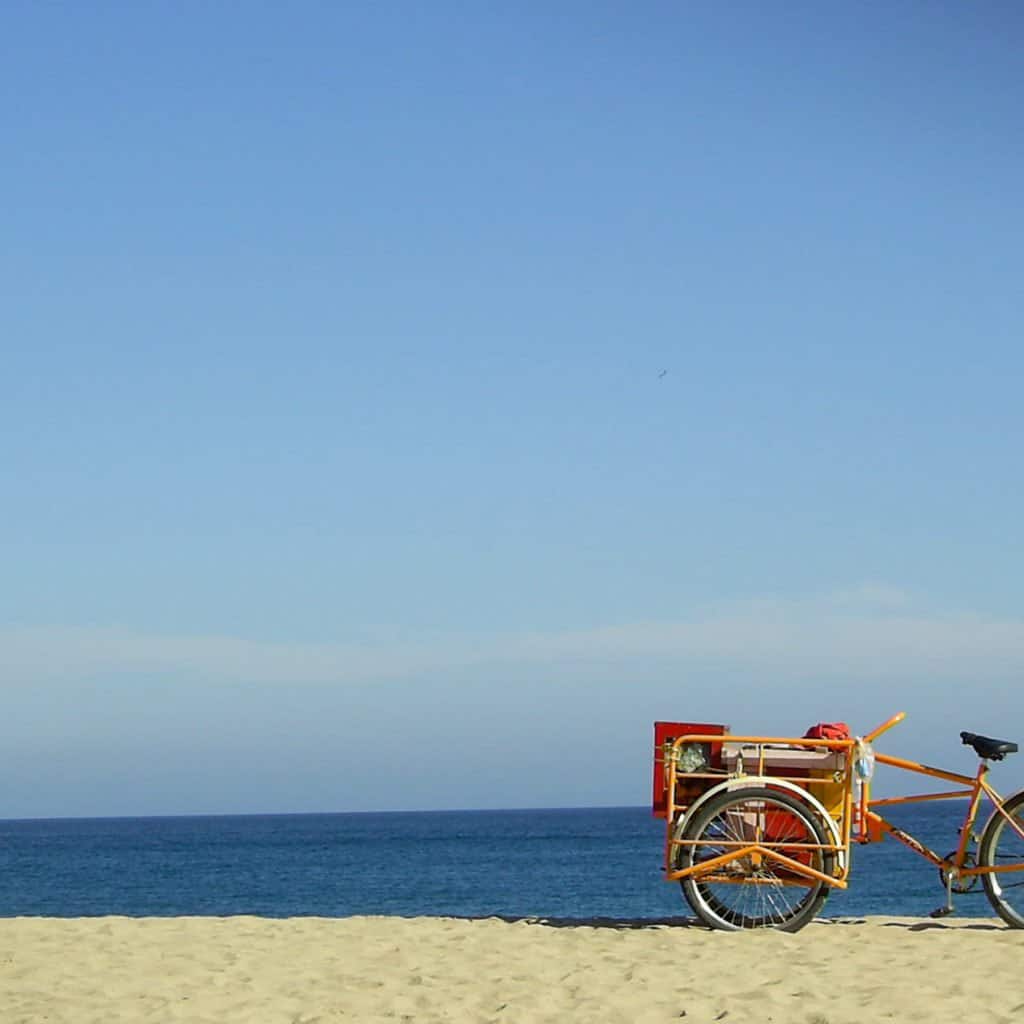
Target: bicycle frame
[873, 825]
[858, 821]
[974, 788]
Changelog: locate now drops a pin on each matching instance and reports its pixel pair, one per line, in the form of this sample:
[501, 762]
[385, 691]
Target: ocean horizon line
[219, 815]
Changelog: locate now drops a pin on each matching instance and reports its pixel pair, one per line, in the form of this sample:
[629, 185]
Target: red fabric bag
[828, 731]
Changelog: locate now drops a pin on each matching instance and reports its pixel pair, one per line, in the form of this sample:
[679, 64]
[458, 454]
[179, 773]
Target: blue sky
[404, 405]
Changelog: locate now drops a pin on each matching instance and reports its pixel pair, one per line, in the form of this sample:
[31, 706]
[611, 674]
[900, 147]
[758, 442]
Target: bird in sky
[662, 374]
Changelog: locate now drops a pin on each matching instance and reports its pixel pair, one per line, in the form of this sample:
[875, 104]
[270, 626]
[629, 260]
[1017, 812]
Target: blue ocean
[566, 864]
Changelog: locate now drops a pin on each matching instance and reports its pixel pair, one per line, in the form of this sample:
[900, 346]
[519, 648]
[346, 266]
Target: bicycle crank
[958, 884]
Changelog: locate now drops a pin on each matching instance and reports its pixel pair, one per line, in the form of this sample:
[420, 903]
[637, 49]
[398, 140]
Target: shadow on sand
[650, 923]
[912, 924]
[612, 923]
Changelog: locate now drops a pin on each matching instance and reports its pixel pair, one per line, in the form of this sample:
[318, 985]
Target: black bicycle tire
[711, 910]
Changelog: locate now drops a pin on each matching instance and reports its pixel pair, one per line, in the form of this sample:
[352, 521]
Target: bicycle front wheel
[756, 890]
[1002, 846]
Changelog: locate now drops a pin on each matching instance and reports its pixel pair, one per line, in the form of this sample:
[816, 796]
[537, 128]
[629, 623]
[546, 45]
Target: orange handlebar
[895, 720]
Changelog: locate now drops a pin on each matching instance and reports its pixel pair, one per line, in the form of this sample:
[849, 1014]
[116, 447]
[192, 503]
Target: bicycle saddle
[994, 750]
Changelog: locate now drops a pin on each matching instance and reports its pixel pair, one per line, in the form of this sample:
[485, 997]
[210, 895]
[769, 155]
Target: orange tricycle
[759, 829]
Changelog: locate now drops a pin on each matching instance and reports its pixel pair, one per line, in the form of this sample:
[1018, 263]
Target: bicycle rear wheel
[1002, 846]
[756, 891]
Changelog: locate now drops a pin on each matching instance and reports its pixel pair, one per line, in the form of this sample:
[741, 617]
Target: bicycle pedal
[941, 912]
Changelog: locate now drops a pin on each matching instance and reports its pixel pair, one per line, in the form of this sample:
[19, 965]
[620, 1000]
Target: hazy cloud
[866, 629]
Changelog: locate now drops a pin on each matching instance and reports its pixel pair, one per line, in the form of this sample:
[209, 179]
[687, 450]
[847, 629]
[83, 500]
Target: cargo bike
[759, 829]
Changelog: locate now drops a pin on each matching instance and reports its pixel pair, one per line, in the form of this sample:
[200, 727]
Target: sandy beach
[305, 970]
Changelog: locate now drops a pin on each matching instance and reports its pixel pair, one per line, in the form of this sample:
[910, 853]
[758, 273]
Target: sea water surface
[569, 864]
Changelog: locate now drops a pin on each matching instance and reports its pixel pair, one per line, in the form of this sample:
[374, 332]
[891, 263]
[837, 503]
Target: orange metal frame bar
[974, 789]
